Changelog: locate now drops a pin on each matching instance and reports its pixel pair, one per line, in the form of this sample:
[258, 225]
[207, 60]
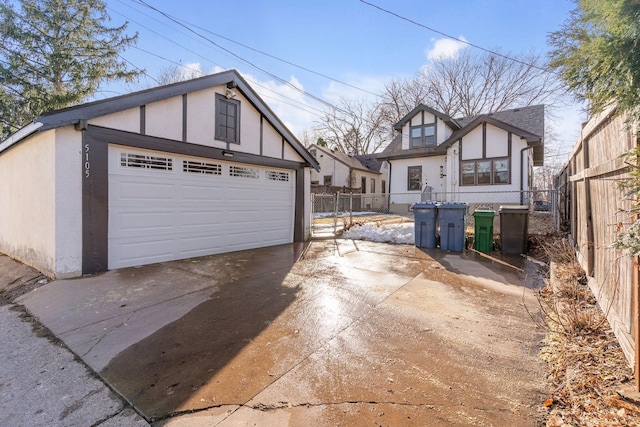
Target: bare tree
[179, 73]
[354, 126]
[470, 84]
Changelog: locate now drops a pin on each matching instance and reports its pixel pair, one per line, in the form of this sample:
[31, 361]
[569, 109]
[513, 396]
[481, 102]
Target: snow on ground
[390, 233]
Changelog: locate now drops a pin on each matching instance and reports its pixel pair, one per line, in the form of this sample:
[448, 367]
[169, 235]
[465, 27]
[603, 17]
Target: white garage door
[164, 207]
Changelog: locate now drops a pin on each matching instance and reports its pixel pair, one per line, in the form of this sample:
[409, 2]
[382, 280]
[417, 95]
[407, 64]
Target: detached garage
[190, 169]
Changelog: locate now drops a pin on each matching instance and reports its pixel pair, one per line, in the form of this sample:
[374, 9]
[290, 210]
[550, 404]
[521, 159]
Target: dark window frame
[363, 184]
[412, 180]
[424, 139]
[327, 179]
[492, 172]
[222, 129]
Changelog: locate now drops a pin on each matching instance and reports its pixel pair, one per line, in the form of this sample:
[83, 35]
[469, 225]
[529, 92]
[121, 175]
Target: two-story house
[436, 157]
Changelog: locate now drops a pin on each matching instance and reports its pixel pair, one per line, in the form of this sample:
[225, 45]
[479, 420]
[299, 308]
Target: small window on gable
[328, 180]
[423, 136]
[227, 119]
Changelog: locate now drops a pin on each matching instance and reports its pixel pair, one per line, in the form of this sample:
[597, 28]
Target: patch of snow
[390, 233]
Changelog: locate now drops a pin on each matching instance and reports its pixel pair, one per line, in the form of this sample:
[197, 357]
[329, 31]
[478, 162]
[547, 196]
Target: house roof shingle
[352, 162]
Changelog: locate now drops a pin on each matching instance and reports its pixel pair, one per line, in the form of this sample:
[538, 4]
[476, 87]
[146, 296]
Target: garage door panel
[195, 207]
[202, 219]
[128, 190]
[129, 253]
[127, 223]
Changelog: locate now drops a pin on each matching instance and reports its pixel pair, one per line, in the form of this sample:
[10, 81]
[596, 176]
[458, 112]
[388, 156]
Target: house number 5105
[87, 165]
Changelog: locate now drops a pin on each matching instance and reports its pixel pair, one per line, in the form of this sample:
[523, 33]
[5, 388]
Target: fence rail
[331, 213]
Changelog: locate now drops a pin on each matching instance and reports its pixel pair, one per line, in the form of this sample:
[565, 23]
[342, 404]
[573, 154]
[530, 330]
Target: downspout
[522, 173]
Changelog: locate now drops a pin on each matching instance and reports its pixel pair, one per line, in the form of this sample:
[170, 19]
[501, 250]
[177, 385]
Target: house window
[414, 178]
[328, 180]
[363, 184]
[423, 136]
[485, 172]
[384, 186]
[313, 152]
[373, 185]
[227, 119]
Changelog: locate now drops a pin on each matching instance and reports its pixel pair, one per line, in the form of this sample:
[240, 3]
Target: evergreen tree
[53, 54]
[597, 53]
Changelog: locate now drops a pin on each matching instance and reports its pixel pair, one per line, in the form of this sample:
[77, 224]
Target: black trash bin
[425, 216]
[514, 229]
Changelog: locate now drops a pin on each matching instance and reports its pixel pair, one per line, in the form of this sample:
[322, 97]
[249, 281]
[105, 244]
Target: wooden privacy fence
[594, 209]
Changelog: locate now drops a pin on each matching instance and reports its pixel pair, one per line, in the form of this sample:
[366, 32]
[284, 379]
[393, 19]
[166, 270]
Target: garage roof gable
[233, 79]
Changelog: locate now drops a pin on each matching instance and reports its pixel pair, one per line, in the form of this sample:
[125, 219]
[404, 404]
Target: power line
[404, 18]
[171, 18]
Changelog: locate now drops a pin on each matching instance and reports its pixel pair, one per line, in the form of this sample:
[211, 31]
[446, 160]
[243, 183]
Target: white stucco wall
[472, 144]
[497, 142]
[430, 176]
[201, 124]
[164, 118]
[127, 120]
[250, 129]
[68, 208]
[27, 202]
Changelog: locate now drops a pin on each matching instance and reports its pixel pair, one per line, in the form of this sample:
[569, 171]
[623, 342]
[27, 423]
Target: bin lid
[514, 209]
[425, 205]
[484, 212]
[452, 205]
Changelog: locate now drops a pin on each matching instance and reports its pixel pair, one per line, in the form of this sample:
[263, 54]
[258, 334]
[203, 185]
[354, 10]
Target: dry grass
[586, 366]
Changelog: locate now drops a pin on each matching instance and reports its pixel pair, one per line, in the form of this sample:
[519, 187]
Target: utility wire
[404, 18]
[285, 82]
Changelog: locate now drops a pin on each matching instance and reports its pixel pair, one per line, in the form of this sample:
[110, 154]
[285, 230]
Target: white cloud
[445, 48]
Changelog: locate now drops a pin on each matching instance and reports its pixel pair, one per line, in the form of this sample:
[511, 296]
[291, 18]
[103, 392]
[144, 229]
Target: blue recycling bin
[424, 217]
[452, 226]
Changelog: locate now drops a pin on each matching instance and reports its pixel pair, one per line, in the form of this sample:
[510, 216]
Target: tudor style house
[189, 169]
[436, 157]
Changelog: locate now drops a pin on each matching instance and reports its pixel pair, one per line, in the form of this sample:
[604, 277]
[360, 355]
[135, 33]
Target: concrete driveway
[336, 332]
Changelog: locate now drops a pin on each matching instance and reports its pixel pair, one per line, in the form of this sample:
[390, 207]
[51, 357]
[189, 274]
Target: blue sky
[347, 40]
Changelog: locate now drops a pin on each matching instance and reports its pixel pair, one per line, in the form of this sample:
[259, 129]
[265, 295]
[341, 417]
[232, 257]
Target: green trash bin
[483, 230]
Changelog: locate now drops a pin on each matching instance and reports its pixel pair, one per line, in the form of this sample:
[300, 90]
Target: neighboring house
[343, 170]
[189, 169]
[436, 157]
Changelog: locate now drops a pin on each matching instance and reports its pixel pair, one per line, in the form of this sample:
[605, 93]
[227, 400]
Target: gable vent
[201, 167]
[130, 160]
[243, 172]
[277, 176]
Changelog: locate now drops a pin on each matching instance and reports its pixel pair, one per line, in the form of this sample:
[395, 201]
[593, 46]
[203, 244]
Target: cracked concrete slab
[42, 384]
[339, 332]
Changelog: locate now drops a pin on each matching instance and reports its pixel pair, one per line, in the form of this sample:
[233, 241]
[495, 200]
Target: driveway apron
[336, 332]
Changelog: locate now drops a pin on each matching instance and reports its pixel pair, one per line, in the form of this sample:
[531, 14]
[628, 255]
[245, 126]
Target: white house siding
[497, 142]
[27, 202]
[201, 124]
[401, 198]
[290, 153]
[68, 206]
[271, 142]
[164, 119]
[472, 144]
[250, 130]
[127, 120]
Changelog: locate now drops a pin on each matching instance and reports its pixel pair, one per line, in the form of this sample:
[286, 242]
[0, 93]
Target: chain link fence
[332, 213]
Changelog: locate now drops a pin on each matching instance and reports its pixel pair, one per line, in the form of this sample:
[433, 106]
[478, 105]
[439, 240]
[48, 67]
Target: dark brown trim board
[95, 187]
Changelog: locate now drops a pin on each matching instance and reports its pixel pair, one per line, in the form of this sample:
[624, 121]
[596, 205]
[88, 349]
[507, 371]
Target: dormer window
[423, 136]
